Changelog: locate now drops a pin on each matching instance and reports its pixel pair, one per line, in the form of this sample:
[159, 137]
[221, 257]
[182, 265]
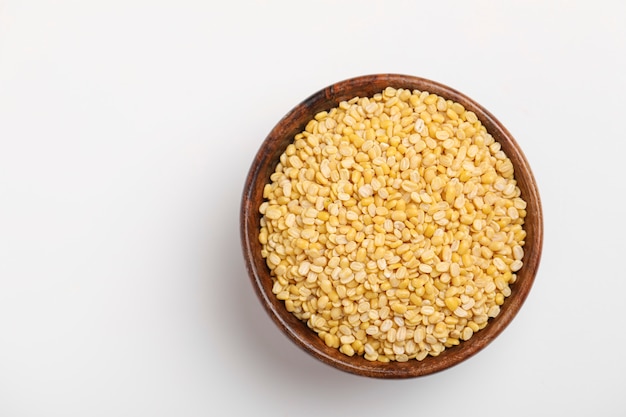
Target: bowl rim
[258, 272]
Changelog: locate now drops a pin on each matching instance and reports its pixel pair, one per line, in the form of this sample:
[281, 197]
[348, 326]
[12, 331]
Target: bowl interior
[263, 166]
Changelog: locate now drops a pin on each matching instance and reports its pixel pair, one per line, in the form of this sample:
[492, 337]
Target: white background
[127, 129]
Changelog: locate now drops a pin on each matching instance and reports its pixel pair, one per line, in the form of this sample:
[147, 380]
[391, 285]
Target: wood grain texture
[264, 164]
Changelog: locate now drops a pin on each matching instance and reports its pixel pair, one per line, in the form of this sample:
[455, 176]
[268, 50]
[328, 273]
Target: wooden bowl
[264, 164]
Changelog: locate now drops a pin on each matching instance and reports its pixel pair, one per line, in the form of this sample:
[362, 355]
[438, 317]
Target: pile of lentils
[393, 225]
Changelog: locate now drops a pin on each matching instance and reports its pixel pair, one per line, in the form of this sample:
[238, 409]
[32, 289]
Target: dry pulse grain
[393, 226]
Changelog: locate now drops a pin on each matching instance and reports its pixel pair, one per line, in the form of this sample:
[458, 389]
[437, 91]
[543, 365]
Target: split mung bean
[393, 225]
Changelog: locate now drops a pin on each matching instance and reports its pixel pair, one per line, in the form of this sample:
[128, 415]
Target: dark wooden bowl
[264, 164]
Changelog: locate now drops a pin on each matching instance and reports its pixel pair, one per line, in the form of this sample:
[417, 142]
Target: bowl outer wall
[263, 166]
